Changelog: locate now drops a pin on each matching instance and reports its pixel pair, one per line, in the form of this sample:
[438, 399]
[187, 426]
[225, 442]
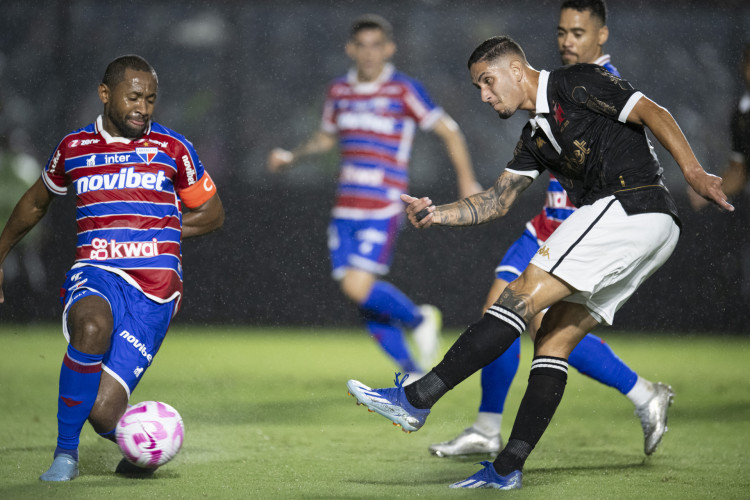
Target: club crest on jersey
[147, 154]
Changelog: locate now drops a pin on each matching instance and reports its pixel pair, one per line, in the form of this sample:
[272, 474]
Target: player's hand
[279, 158]
[708, 186]
[469, 189]
[420, 211]
[697, 202]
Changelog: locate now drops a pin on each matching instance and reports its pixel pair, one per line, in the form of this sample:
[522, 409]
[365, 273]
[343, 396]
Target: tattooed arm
[476, 209]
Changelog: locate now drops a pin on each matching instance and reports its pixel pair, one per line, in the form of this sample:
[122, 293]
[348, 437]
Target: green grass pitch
[267, 416]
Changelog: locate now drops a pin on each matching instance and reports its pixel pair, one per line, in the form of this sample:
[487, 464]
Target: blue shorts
[517, 258]
[363, 244]
[140, 324]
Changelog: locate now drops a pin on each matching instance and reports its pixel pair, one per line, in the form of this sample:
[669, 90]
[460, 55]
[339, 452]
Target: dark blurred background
[239, 78]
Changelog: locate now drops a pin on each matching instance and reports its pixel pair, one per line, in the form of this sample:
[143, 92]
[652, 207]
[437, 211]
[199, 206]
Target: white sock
[488, 423]
[642, 391]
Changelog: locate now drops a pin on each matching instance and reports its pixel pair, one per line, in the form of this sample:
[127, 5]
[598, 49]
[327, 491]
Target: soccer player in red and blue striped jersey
[373, 113]
[132, 178]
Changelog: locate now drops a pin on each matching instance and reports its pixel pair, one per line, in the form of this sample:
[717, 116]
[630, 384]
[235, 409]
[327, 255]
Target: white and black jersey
[580, 133]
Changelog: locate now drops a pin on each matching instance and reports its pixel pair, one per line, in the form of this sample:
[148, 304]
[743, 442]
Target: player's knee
[90, 326]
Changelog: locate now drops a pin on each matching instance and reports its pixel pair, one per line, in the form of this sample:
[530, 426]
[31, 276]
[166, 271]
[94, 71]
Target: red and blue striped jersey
[558, 207]
[129, 196]
[375, 123]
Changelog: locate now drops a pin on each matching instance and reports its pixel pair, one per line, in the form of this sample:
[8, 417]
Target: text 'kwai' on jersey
[128, 202]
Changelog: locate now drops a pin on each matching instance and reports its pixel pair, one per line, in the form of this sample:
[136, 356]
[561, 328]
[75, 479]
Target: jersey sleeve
[53, 175]
[600, 91]
[526, 156]
[420, 106]
[328, 121]
[193, 184]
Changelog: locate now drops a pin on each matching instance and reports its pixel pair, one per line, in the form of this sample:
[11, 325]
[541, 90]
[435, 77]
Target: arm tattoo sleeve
[487, 205]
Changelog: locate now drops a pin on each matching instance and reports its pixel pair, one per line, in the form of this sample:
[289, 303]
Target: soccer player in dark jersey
[736, 174]
[372, 114]
[588, 128]
[131, 177]
[581, 34]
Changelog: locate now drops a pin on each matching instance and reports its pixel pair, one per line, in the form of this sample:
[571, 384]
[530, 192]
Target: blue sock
[63, 451]
[388, 303]
[109, 435]
[79, 385]
[391, 339]
[497, 377]
[596, 359]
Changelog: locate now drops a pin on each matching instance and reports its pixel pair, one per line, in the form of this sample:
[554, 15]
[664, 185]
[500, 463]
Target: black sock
[547, 381]
[478, 346]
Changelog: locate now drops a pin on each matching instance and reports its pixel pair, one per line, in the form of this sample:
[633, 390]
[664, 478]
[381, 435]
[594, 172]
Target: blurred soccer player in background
[372, 113]
[131, 178]
[581, 34]
[735, 175]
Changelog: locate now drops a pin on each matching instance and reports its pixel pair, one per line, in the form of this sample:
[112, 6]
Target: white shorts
[605, 254]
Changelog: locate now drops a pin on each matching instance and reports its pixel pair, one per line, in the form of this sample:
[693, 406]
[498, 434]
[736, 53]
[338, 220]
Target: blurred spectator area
[240, 77]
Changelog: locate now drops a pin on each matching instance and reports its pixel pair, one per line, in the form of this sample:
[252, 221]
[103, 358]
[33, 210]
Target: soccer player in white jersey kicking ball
[130, 176]
[625, 228]
[581, 33]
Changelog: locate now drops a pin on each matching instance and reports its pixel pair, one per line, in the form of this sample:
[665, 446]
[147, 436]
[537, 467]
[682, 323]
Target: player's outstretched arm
[203, 219]
[449, 132]
[476, 209]
[668, 133]
[321, 142]
[28, 212]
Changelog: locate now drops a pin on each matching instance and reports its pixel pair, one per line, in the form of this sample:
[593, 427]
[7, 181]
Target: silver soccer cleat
[469, 442]
[653, 416]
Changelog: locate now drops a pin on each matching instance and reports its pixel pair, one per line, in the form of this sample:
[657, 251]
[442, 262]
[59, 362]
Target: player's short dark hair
[495, 47]
[115, 71]
[598, 8]
[371, 22]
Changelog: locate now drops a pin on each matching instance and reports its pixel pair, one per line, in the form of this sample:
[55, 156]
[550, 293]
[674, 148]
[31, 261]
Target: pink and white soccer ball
[150, 434]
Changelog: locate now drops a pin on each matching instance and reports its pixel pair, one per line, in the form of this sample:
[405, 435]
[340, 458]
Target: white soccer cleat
[427, 336]
[653, 416]
[469, 442]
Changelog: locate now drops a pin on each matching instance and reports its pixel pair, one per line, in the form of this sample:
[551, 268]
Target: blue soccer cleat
[63, 468]
[391, 403]
[489, 478]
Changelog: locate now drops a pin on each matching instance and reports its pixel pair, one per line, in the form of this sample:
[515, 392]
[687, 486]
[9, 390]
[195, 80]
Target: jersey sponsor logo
[126, 178]
[116, 158]
[86, 142]
[91, 161]
[160, 143]
[559, 113]
[111, 249]
[189, 169]
[368, 122]
[137, 344]
[53, 164]
[207, 185]
[361, 176]
[147, 154]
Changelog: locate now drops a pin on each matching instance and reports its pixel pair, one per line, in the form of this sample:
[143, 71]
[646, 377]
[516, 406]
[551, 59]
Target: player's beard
[126, 130]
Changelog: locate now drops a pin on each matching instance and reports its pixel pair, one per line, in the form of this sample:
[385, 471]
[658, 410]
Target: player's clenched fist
[279, 158]
[420, 211]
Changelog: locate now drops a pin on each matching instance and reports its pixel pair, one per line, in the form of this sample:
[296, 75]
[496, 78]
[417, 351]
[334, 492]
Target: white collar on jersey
[602, 60]
[373, 86]
[109, 138]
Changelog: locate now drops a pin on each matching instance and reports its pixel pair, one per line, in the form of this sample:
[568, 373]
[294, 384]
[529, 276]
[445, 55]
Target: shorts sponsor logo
[126, 178]
[111, 249]
[137, 344]
[189, 169]
[137, 372]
